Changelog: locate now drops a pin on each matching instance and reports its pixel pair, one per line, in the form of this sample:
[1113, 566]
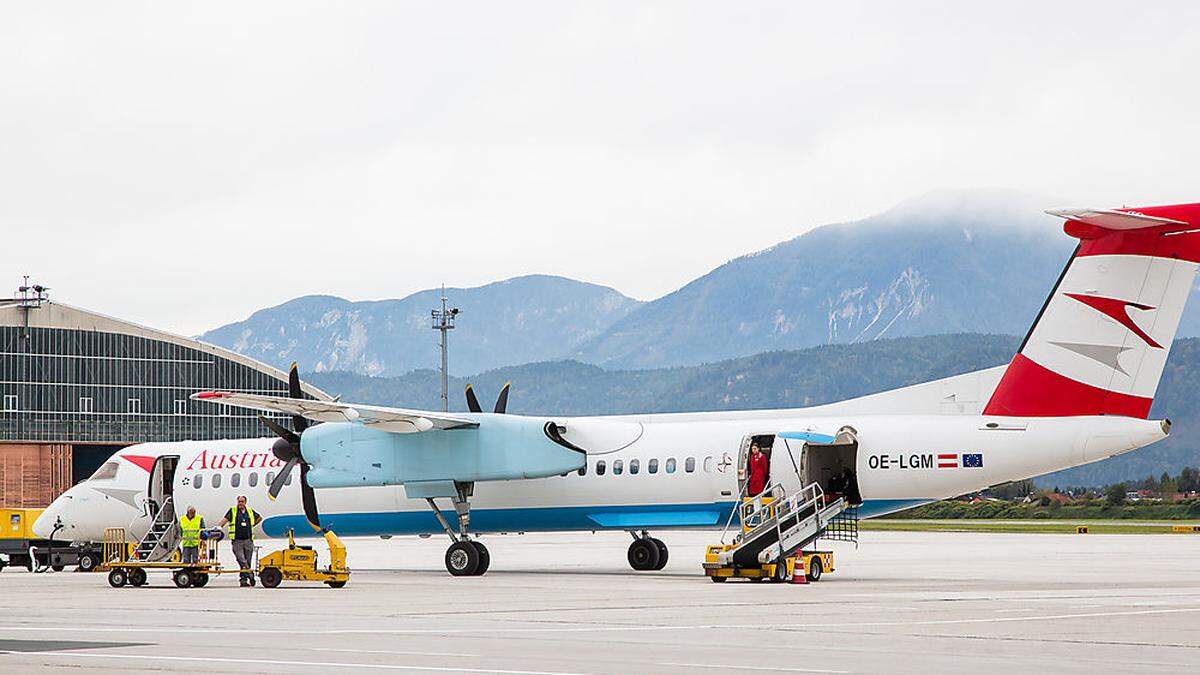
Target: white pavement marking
[725, 666]
[270, 662]
[587, 629]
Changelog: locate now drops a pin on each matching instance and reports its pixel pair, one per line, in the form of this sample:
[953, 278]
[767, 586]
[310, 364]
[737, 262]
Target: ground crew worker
[241, 520]
[190, 526]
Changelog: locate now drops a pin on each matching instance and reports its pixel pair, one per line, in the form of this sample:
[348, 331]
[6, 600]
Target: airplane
[1078, 390]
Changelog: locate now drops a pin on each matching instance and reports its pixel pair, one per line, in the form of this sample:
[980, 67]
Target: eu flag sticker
[972, 460]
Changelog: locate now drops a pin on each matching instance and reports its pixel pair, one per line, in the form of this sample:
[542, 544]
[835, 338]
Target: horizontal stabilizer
[1112, 219]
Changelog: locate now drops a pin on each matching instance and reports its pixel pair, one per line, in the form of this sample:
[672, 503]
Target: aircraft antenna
[443, 321]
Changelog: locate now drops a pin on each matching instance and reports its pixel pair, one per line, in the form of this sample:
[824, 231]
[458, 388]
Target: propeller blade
[309, 498]
[502, 399]
[472, 402]
[281, 431]
[281, 479]
[298, 422]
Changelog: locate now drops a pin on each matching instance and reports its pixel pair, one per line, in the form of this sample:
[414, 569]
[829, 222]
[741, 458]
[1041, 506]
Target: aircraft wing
[395, 420]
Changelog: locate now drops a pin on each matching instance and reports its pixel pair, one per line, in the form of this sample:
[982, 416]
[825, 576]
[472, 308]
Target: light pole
[443, 320]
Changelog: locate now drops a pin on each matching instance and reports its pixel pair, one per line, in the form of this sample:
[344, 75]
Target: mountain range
[786, 379]
[966, 261]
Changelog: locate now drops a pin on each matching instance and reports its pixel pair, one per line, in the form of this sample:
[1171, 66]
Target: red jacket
[758, 474]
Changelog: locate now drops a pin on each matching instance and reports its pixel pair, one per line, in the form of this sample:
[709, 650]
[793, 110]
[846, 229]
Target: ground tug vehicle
[299, 563]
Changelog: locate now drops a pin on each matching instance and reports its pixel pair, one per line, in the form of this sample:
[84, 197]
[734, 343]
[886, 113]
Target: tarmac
[901, 602]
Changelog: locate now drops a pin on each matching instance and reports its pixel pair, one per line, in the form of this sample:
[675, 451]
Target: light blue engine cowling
[502, 447]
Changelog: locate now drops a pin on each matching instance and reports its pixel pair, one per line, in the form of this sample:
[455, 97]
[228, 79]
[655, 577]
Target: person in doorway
[758, 469]
[190, 525]
[241, 520]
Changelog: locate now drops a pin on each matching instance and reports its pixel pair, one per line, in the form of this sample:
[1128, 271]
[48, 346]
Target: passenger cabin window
[235, 480]
[216, 482]
[198, 481]
[633, 466]
[618, 467]
[106, 470]
[270, 477]
[288, 480]
[708, 464]
[253, 478]
[671, 465]
[600, 468]
[690, 465]
[582, 470]
[652, 466]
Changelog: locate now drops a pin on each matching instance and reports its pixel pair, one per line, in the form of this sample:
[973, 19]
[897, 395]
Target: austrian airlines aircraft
[1078, 390]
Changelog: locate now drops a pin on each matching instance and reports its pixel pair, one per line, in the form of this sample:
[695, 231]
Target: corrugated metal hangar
[76, 385]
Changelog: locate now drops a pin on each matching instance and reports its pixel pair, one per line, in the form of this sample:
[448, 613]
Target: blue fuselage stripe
[712, 515]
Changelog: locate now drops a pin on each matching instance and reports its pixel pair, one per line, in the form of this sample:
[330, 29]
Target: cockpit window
[106, 470]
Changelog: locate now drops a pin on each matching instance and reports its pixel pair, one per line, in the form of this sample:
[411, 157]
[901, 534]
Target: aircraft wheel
[718, 580]
[663, 554]
[335, 584]
[182, 578]
[814, 569]
[462, 559]
[88, 561]
[199, 579]
[58, 568]
[642, 555]
[485, 558]
[3, 565]
[117, 578]
[137, 577]
[270, 576]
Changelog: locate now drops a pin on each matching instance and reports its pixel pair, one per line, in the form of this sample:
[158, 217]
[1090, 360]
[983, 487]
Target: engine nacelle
[502, 447]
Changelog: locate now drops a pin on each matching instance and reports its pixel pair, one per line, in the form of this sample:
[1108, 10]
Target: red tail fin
[1099, 345]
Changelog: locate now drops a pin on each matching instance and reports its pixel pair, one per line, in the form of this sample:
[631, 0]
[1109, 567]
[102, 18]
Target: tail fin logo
[1117, 310]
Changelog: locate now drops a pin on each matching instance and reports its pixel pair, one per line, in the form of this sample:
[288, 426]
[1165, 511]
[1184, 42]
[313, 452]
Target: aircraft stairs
[775, 525]
[162, 537]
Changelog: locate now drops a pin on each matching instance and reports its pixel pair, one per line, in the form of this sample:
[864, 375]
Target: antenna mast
[443, 321]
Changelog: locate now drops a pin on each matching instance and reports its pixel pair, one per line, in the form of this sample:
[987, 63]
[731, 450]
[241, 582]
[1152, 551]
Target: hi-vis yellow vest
[190, 528]
[232, 516]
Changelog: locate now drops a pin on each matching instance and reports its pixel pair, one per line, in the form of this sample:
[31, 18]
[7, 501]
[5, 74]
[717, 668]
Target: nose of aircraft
[44, 526]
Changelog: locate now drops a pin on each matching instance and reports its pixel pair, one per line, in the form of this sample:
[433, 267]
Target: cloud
[183, 166]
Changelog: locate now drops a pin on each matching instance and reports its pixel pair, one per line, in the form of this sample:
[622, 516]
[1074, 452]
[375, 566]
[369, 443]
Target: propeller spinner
[287, 450]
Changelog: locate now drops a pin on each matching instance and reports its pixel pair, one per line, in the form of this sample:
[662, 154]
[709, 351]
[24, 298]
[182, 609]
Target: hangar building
[75, 386]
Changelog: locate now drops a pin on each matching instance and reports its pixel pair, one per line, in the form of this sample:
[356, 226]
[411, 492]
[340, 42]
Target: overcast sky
[182, 165]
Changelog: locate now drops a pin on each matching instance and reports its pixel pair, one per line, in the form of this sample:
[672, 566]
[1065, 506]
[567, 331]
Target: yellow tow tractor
[299, 563]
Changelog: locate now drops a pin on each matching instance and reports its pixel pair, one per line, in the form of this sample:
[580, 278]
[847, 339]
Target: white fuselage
[901, 460]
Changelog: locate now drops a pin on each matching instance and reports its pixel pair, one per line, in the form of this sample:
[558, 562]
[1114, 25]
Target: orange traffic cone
[798, 575]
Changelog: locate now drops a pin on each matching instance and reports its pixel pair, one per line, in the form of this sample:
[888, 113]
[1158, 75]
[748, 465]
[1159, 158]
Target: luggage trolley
[125, 568]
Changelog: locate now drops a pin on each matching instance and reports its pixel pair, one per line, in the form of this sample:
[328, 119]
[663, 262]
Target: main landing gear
[466, 557]
[646, 552]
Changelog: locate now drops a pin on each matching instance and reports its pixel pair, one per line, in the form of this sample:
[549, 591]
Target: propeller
[287, 450]
[501, 400]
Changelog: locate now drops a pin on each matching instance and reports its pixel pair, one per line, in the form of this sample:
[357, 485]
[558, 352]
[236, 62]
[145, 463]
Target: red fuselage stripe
[1031, 390]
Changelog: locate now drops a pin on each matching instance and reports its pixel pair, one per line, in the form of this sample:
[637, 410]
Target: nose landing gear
[647, 553]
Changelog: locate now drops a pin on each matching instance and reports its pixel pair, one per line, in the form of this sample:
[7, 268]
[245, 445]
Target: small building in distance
[75, 386]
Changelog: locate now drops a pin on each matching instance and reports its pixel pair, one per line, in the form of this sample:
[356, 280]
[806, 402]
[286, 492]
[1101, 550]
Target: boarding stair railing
[162, 537]
[776, 524]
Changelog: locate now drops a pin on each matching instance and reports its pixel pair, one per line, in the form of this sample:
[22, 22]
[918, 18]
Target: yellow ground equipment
[119, 559]
[299, 563]
[815, 564]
